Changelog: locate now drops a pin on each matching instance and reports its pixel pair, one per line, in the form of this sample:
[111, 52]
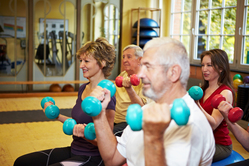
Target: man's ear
[174, 73]
[139, 60]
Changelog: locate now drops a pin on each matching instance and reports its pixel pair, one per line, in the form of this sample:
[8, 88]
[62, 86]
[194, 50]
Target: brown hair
[219, 60]
[101, 50]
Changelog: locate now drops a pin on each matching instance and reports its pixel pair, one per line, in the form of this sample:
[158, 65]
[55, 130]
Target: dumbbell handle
[135, 81]
[179, 112]
[234, 114]
[89, 131]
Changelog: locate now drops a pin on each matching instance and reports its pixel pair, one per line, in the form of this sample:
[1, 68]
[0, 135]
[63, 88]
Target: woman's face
[208, 71]
[89, 66]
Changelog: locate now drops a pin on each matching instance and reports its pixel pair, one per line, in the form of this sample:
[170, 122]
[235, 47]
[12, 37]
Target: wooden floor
[20, 138]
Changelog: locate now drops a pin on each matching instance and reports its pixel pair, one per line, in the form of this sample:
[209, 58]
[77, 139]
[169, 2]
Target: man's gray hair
[138, 50]
[170, 52]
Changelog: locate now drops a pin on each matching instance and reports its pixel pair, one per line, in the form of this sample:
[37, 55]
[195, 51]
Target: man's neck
[175, 91]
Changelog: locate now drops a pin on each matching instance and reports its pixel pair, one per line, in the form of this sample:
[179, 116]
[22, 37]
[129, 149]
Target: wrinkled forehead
[150, 56]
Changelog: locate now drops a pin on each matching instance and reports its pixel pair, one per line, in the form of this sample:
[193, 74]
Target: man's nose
[140, 74]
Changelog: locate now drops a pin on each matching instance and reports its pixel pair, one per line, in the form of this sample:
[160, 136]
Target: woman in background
[217, 80]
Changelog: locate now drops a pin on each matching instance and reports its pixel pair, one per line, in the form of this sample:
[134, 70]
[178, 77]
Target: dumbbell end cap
[68, 126]
[134, 117]
[235, 114]
[52, 112]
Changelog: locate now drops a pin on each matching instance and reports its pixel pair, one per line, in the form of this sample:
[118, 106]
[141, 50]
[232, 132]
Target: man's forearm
[154, 152]
[107, 142]
[134, 96]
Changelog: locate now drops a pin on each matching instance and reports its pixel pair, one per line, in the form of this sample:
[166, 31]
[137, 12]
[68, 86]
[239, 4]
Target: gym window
[207, 24]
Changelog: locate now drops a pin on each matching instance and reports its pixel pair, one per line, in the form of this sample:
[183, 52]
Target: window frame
[240, 27]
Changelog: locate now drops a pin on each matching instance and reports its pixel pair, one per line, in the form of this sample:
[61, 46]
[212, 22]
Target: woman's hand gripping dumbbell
[51, 111]
[89, 131]
[195, 92]
[234, 114]
[133, 80]
[179, 112]
[91, 105]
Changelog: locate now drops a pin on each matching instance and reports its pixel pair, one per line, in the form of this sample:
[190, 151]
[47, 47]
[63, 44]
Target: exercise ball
[246, 80]
[146, 23]
[55, 88]
[68, 88]
[237, 76]
[233, 158]
[144, 33]
[236, 83]
[142, 42]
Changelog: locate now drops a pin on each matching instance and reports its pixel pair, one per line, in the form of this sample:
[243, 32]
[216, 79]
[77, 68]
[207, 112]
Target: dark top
[79, 145]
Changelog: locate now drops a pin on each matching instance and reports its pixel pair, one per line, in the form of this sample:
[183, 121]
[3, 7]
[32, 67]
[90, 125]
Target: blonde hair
[101, 50]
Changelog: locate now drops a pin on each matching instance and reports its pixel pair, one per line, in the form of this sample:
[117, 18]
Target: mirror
[13, 24]
[55, 22]
[102, 19]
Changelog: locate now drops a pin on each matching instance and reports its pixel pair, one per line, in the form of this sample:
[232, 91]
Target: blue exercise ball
[233, 158]
[142, 42]
[146, 33]
[147, 23]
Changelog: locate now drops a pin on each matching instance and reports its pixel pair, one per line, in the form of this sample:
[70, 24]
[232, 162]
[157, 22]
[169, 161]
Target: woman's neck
[213, 85]
[95, 80]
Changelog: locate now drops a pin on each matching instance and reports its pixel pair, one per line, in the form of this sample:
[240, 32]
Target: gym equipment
[233, 158]
[91, 105]
[55, 88]
[195, 92]
[68, 88]
[234, 114]
[237, 76]
[243, 100]
[236, 83]
[142, 42]
[89, 131]
[179, 112]
[144, 33]
[135, 81]
[246, 80]
[51, 111]
[68, 126]
[147, 23]
[46, 99]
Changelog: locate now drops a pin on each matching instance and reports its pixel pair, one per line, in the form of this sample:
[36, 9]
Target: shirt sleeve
[112, 103]
[121, 146]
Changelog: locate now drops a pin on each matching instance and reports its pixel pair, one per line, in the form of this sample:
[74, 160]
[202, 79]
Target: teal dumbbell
[195, 92]
[91, 105]
[52, 111]
[68, 126]
[89, 131]
[179, 113]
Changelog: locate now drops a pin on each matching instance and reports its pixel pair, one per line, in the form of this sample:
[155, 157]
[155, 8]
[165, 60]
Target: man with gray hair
[164, 72]
[128, 94]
